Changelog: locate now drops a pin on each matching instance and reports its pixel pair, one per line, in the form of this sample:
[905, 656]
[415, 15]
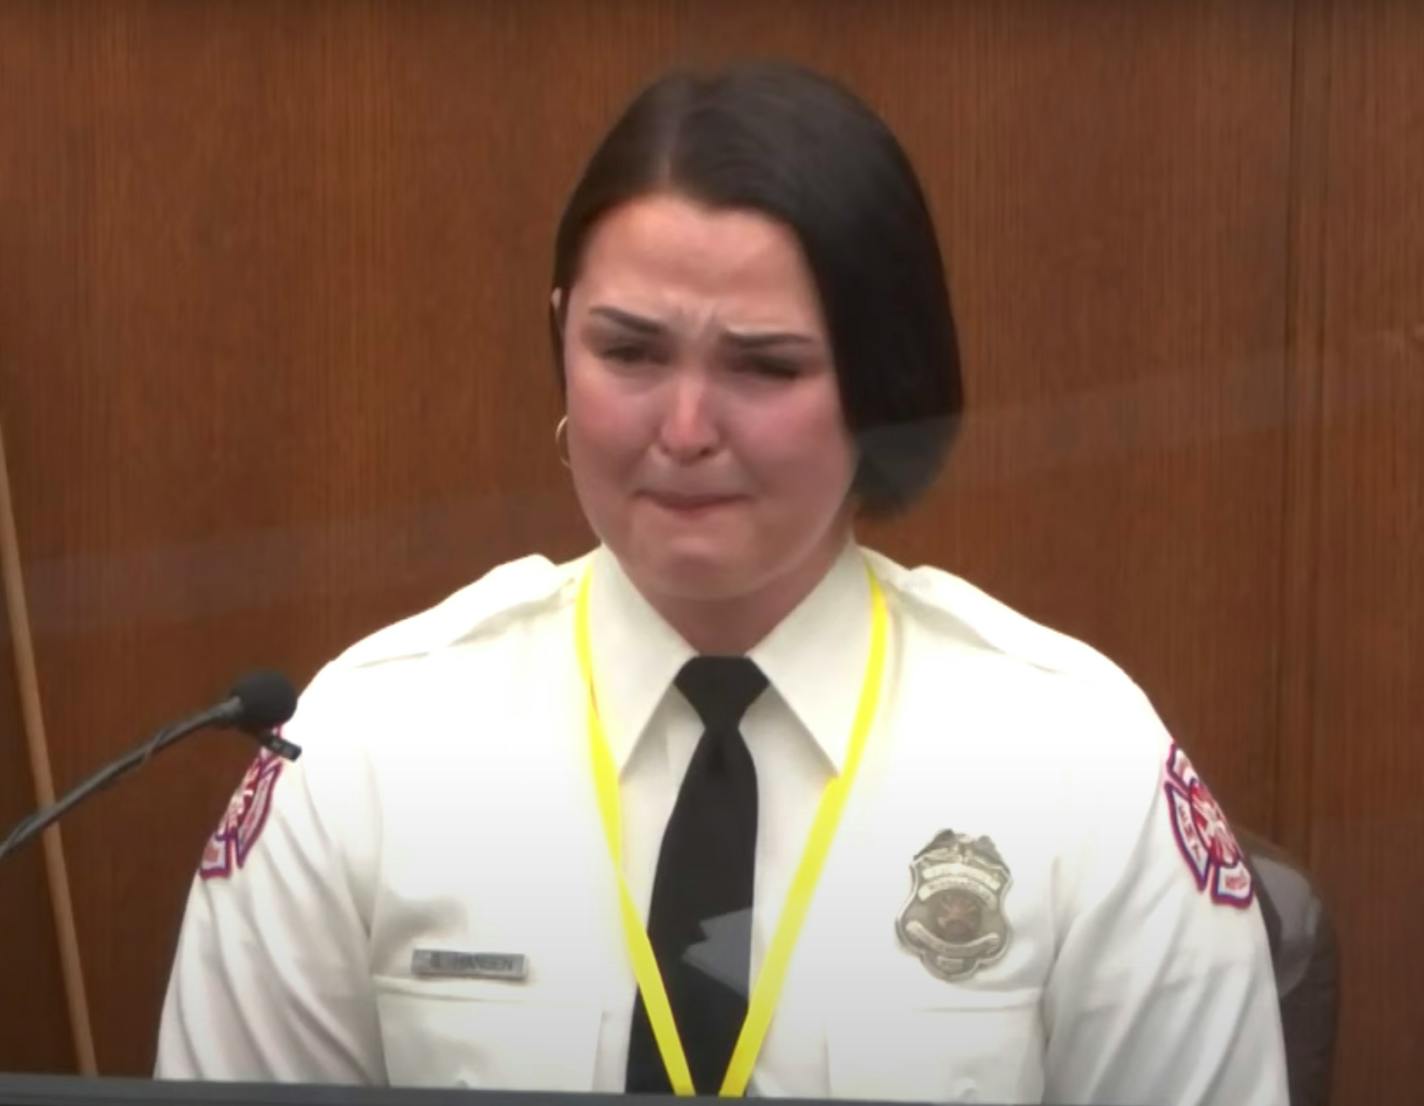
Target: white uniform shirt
[444, 801]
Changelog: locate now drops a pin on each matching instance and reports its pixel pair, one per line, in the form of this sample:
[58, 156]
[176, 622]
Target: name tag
[450, 964]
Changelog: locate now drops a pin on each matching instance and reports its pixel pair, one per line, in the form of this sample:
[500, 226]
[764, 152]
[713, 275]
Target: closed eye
[626, 354]
[774, 368]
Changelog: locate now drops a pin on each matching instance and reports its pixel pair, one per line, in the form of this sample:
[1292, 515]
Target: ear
[556, 299]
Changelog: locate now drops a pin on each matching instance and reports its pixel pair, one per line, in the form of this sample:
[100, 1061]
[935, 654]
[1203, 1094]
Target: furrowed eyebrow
[628, 321]
[762, 339]
[745, 341]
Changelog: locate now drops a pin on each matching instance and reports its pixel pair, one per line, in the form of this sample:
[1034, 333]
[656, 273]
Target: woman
[732, 803]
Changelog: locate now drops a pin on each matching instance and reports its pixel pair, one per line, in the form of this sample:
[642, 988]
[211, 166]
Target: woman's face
[706, 437]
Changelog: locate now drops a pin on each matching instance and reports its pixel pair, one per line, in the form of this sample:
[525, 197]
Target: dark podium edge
[74, 1090]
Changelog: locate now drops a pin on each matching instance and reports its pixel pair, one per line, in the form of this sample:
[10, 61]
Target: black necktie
[700, 918]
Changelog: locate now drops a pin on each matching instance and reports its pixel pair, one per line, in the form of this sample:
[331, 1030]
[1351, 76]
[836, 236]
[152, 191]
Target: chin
[696, 573]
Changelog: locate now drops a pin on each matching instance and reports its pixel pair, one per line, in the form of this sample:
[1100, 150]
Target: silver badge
[954, 919]
[450, 964]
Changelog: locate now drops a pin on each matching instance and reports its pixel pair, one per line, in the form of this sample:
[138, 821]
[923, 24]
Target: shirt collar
[815, 657]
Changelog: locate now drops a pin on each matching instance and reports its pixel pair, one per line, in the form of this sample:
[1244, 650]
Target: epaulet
[983, 622]
[506, 591]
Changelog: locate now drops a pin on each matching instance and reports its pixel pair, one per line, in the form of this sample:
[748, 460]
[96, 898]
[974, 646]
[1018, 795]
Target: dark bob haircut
[778, 139]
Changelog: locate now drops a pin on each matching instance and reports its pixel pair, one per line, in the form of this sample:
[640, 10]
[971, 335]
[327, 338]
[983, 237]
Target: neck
[733, 626]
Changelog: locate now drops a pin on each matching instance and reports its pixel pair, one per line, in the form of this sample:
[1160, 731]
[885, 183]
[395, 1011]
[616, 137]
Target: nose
[689, 427]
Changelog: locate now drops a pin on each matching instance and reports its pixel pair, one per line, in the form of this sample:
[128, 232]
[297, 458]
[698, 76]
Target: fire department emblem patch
[954, 919]
[228, 848]
[1204, 836]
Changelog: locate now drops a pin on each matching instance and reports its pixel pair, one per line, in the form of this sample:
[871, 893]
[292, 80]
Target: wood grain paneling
[277, 335]
[1369, 739]
[34, 1028]
[1300, 551]
[1111, 182]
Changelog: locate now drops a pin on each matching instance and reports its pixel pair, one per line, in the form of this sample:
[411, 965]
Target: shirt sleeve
[270, 981]
[1162, 989]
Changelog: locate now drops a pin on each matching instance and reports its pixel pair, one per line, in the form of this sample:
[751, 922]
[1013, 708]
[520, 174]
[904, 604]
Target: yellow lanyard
[767, 989]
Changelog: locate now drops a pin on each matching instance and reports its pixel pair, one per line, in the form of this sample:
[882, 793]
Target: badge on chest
[954, 918]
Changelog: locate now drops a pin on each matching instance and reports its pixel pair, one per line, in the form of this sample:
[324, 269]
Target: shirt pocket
[468, 1033]
[988, 1048]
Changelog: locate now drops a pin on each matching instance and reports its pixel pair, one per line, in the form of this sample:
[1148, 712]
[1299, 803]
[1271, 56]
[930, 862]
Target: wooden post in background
[27, 682]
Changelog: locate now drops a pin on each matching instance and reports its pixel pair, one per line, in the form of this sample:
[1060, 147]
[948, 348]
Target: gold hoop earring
[561, 441]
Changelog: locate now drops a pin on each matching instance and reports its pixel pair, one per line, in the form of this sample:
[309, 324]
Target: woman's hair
[778, 139]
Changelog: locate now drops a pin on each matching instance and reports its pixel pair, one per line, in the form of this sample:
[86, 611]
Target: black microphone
[260, 701]
[257, 704]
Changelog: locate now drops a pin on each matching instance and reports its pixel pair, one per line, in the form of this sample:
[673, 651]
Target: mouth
[690, 505]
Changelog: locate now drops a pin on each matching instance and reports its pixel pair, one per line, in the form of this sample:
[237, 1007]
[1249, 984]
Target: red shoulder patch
[228, 848]
[1203, 835]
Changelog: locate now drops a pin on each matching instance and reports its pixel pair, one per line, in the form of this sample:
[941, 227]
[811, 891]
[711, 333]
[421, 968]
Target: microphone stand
[222, 714]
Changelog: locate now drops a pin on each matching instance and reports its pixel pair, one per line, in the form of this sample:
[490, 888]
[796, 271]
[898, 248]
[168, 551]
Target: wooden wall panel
[34, 1025]
[279, 349]
[1300, 577]
[1110, 179]
[34, 1028]
[1368, 821]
